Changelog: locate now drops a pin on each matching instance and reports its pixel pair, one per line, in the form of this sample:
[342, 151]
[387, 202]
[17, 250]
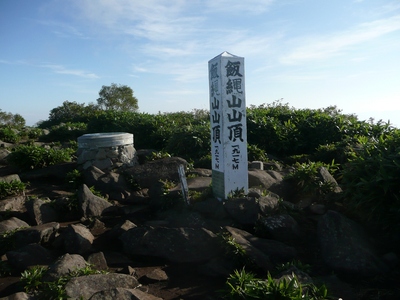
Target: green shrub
[28, 157]
[32, 281]
[190, 142]
[15, 187]
[244, 285]
[305, 176]
[371, 180]
[8, 135]
[65, 132]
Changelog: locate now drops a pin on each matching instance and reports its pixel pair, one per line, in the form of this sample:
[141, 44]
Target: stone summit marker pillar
[228, 125]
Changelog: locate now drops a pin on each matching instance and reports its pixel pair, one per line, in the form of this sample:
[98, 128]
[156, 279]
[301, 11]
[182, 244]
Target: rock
[260, 259]
[161, 169]
[3, 155]
[211, 208]
[10, 178]
[175, 244]
[64, 266]
[122, 294]
[197, 184]
[110, 183]
[98, 261]
[243, 210]
[258, 165]
[40, 234]
[28, 256]
[12, 224]
[156, 275]
[86, 286]
[282, 228]
[90, 204]
[41, 211]
[326, 177]
[13, 203]
[276, 251]
[269, 180]
[268, 204]
[77, 239]
[119, 229]
[302, 277]
[17, 296]
[345, 247]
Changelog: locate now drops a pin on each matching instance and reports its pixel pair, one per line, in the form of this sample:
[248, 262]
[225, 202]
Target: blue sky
[311, 53]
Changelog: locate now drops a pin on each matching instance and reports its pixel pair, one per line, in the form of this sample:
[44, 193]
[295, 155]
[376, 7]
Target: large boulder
[180, 245]
[90, 204]
[84, 287]
[345, 247]
[64, 266]
[12, 224]
[161, 169]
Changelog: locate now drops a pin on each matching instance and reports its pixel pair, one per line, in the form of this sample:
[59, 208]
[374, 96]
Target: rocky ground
[156, 248]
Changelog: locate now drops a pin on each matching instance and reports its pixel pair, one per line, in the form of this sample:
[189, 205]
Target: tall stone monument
[228, 125]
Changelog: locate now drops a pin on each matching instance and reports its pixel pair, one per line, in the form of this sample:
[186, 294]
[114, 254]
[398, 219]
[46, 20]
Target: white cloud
[239, 6]
[62, 70]
[62, 29]
[324, 47]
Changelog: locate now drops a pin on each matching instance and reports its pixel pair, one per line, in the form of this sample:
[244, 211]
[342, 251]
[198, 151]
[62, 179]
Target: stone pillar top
[106, 139]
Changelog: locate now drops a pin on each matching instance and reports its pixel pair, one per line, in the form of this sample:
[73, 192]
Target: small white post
[228, 125]
[184, 186]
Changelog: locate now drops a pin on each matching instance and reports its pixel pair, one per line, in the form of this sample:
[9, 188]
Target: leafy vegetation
[28, 157]
[12, 188]
[245, 285]
[32, 280]
[305, 175]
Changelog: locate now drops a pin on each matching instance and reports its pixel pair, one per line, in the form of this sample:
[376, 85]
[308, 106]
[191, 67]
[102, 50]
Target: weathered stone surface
[345, 247]
[77, 239]
[98, 261]
[119, 229]
[155, 275]
[87, 286]
[283, 228]
[243, 210]
[161, 169]
[64, 266]
[259, 258]
[13, 203]
[17, 296]
[10, 178]
[28, 256]
[211, 208]
[276, 251]
[123, 294]
[112, 184]
[12, 224]
[325, 176]
[41, 211]
[268, 204]
[174, 244]
[269, 179]
[90, 204]
[197, 184]
[3, 154]
[40, 234]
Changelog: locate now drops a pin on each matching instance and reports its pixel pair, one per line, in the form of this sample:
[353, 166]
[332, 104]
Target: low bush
[245, 285]
[13, 188]
[305, 176]
[371, 180]
[8, 135]
[28, 157]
